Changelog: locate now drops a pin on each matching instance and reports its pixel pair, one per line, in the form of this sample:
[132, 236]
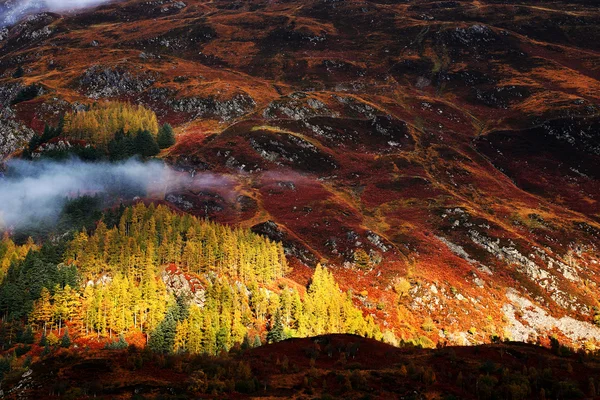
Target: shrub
[22, 350]
[358, 380]
[488, 367]
[26, 94]
[425, 342]
[402, 287]
[117, 345]
[27, 336]
[596, 316]
[52, 339]
[485, 386]
[19, 72]
[245, 386]
[403, 371]
[428, 325]
[429, 376]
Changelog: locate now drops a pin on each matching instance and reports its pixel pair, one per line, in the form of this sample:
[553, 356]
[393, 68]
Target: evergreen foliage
[26, 280]
[27, 335]
[145, 144]
[121, 146]
[65, 341]
[328, 310]
[118, 345]
[50, 133]
[166, 136]
[148, 236]
[125, 145]
[276, 334]
[26, 94]
[19, 72]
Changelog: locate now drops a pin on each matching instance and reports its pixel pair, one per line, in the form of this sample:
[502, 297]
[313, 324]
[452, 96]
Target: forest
[108, 130]
[100, 121]
[112, 281]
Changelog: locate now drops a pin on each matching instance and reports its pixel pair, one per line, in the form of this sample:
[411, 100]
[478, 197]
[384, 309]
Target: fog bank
[32, 192]
[11, 11]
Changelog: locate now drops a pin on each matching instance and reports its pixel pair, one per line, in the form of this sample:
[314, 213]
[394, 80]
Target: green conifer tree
[145, 144]
[65, 341]
[166, 136]
[276, 333]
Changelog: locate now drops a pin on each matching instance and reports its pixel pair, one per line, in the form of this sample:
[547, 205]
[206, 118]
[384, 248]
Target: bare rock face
[297, 106]
[527, 321]
[292, 247]
[24, 26]
[187, 287]
[13, 133]
[206, 107]
[101, 82]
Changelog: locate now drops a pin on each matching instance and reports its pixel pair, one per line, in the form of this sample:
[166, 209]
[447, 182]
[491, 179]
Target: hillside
[333, 367]
[454, 142]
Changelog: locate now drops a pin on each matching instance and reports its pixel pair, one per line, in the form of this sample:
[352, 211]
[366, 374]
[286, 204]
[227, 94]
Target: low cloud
[12, 11]
[36, 192]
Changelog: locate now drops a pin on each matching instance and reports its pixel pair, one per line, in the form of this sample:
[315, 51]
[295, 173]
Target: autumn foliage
[101, 121]
[119, 280]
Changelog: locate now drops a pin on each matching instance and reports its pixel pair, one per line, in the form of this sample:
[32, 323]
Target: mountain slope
[455, 142]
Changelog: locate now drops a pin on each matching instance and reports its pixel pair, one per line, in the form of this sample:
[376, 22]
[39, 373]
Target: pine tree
[246, 342]
[121, 146]
[182, 337]
[132, 248]
[27, 336]
[166, 136]
[61, 310]
[100, 122]
[65, 341]
[276, 333]
[195, 322]
[145, 144]
[362, 259]
[43, 309]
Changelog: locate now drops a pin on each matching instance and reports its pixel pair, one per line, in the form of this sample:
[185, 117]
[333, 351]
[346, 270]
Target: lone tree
[276, 333]
[65, 341]
[362, 259]
[166, 136]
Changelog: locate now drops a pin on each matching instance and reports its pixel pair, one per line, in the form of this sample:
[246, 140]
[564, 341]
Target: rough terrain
[455, 142]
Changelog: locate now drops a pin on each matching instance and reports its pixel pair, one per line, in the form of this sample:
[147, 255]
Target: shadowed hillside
[332, 367]
[440, 157]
